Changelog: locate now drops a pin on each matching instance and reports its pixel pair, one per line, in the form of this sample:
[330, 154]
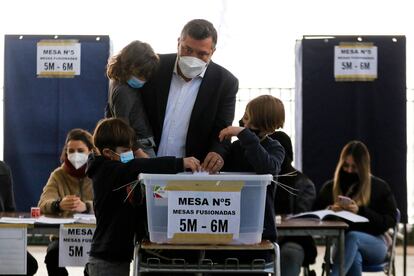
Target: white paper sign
[74, 244]
[355, 62]
[203, 212]
[58, 58]
[13, 242]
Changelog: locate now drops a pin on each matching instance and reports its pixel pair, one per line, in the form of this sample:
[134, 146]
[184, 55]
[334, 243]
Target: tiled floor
[40, 251]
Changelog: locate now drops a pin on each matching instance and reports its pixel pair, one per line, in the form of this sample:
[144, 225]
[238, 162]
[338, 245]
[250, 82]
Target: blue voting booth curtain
[373, 112]
[38, 112]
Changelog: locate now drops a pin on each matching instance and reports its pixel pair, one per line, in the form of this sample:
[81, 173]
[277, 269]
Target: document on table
[17, 220]
[13, 257]
[85, 218]
[47, 220]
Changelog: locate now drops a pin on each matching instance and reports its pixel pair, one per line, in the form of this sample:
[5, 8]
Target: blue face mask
[127, 156]
[135, 82]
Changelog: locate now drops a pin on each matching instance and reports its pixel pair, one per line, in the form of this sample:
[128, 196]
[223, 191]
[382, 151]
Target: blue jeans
[291, 258]
[360, 248]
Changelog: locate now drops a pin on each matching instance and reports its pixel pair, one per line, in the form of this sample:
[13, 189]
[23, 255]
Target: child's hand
[229, 132]
[192, 163]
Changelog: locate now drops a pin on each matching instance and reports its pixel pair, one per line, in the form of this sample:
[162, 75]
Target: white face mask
[191, 67]
[78, 159]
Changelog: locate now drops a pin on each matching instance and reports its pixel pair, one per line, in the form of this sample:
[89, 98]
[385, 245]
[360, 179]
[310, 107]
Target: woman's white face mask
[190, 66]
[77, 159]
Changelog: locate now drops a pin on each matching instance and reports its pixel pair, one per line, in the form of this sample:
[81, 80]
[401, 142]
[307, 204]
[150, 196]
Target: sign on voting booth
[205, 209]
[75, 243]
[13, 242]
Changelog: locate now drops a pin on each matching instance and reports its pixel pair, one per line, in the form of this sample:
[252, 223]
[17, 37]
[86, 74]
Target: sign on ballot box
[225, 208]
[75, 243]
[13, 243]
[204, 212]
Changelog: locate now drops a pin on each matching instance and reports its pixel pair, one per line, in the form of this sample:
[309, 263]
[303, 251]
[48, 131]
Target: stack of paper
[85, 218]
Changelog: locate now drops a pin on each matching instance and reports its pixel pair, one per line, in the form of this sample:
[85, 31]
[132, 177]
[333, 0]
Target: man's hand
[228, 132]
[213, 162]
[191, 163]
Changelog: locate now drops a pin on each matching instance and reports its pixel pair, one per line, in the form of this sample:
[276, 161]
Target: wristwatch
[88, 208]
[56, 206]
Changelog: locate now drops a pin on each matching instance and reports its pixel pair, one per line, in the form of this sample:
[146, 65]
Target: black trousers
[52, 260]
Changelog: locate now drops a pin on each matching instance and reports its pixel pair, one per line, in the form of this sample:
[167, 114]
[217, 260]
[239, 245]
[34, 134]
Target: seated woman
[68, 189]
[7, 205]
[365, 195]
[294, 251]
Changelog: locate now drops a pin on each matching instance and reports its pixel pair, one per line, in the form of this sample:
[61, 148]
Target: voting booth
[205, 209]
[13, 243]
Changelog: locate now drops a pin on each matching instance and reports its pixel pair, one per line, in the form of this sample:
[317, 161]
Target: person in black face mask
[356, 190]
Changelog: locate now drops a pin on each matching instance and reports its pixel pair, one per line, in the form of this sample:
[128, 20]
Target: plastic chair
[388, 266]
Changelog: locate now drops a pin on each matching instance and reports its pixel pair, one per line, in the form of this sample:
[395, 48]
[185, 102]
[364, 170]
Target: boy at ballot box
[118, 200]
[256, 152]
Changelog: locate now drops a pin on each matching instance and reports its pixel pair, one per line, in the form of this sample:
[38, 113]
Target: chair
[388, 266]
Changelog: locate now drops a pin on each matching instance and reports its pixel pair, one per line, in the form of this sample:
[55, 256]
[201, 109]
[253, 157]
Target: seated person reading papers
[295, 194]
[370, 197]
[7, 204]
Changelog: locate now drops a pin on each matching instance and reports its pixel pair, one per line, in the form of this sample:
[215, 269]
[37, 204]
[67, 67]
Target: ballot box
[186, 208]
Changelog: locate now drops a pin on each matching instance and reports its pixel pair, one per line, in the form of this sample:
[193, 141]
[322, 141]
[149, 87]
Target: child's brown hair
[112, 133]
[266, 113]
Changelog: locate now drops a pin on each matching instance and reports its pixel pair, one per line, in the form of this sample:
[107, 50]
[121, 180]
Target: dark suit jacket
[6, 189]
[213, 109]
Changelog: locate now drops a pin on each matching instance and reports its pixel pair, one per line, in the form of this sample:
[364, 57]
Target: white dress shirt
[181, 99]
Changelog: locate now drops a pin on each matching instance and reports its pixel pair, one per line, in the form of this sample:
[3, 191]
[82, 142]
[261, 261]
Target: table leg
[137, 259]
[327, 264]
[341, 252]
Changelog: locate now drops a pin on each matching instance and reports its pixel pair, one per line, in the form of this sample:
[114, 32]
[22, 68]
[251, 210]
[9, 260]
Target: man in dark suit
[190, 99]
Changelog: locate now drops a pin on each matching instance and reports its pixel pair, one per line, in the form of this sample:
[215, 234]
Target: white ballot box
[225, 208]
